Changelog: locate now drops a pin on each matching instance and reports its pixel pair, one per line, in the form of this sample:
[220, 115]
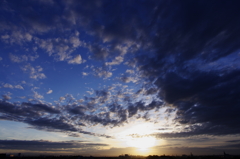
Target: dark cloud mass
[176, 47]
[43, 145]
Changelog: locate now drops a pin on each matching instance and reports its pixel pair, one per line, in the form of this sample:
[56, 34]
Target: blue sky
[115, 77]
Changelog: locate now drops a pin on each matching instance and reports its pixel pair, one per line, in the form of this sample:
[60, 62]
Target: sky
[105, 78]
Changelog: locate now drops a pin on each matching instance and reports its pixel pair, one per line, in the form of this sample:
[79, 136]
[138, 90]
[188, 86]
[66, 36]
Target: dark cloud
[42, 107]
[233, 141]
[132, 110]
[208, 99]
[51, 124]
[16, 112]
[103, 95]
[195, 35]
[42, 117]
[78, 110]
[99, 52]
[103, 119]
[151, 91]
[43, 145]
[161, 129]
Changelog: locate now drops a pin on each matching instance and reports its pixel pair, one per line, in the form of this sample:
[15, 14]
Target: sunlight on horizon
[139, 136]
[143, 143]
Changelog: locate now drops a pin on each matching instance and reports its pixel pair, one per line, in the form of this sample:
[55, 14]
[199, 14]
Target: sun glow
[138, 136]
[142, 143]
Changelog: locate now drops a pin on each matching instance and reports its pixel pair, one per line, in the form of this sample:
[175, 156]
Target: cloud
[36, 95]
[233, 141]
[127, 79]
[18, 87]
[7, 85]
[62, 98]
[6, 97]
[49, 91]
[102, 72]
[25, 110]
[103, 95]
[84, 73]
[34, 72]
[89, 92]
[116, 61]
[45, 145]
[42, 107]
[129, 71]
[99, 52]
[76, 60]
[51, 124]
[36, 116]
[61, 49]
[17, 59]
[205, 99]
[80, 110]
[75, 41]
[22, 58]
[151, 91]
[17, 37]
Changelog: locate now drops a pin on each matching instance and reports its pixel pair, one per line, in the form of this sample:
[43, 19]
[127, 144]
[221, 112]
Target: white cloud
[128, 79]
[102, 72]
[84, 73]
[116, 61]
[22, 58]
[5, 37]
[131, 63]
[76, 60]
[1, 58]
[75, 41]
[130, 71]
[22, 97]
[49, 92]
[6, 97]
[47, 45]
[18, 59]
[62, 98]
[80, 100]
[17, 37]
[61, 48]
[18, 87]
[35, 73]
[89, 92]
[37, 96]
[28, 36]
[7, 85]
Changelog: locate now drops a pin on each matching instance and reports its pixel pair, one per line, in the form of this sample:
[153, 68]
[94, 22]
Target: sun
[139, 136]
[143, 143]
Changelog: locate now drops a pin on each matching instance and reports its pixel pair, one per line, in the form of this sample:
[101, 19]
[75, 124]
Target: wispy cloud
[49, 91]
[34, 72]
